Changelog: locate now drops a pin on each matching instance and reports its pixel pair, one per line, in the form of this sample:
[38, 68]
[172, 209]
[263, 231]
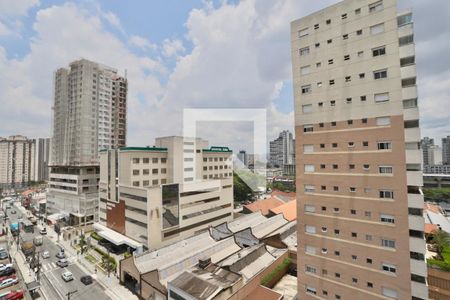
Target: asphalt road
[52, 284]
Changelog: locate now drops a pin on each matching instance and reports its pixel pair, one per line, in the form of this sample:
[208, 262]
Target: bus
[27, 226]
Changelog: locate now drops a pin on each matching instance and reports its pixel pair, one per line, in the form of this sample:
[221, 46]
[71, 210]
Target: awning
[57, 216]
[115, 237]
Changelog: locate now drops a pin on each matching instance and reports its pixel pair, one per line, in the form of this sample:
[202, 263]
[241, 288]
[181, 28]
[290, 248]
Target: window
[145, 183]
[307, 108]
[332, 82]
[324, 208]
[310, 269]
[310, 208]
[323, 187]
[322, 146]
[344, 16]
[417, 255]
[369, 261]
[135, 183]
[359, 32]
[305, 70]
[310, 229]
[163, 160]
[135, 172]
[324, 250]
[376, 6]
[332, 102]
[381, 97]
[365, 144]
[306, 89]
[347, 57]
[353, 211]
[303, 32]
[384, 145]
[336, 210]
[368, 237]
[317, 45]
[335, 167]
[363, 98]
[309, 168]
[145, 171]
[418, 278]
[369, 284]
[329, 41]
[389, 268]
[362, 75]
[146, 160]
[334, 145]
[350, 145]
[333, 123]
[357, 11]
[383, 121]
[354, 234]
[360, 53]
[154, 171]
[352, 189]
[310, 249]
[318, 65]
[411, 124]
[308, 128]
[308, 148]
[348, 78]
[416, 233]
[354, 280]
[311, 290]
[386, 194]
[379, 51]
[366, 167]
[387, 218]
[309, 188]
[409, 82]
[415, 211]
[404, 20]
[348, 100]
[325, 293]
[345, 37]
[406, 40]
[155, 160]
[337, 275]
[336, 188]
[135, 160]
[328, 22]
[155, 182]
[321, 125]
[319, 84]
[316, 26]
[304, 51]
[388, 243]
[368, 214]
[389, 293]
[322, 166]
[364, 121]
[367, 190]
[377, 29]
[163, 171]
[330, 61]
[320, 104]
[379, 74]
[385, 169]
[407, 61]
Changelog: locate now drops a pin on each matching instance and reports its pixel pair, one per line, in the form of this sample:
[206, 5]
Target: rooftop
[157, 149]
[217, 149]
[263, 205]
[288, 209]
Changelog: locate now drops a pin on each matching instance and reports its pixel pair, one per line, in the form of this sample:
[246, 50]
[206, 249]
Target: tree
[241, 190]
[440, 240]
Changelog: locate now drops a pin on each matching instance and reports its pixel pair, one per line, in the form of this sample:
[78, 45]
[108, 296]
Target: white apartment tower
[281, 150]
[89, 115]
[358, 161]
[42, 159]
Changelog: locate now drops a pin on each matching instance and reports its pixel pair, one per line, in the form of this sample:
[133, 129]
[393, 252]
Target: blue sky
[183, 54]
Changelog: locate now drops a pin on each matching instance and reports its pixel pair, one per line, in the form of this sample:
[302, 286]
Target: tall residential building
[243, 156]
[446, 150]
[89, 115]
[17, 161]
[359, 178]
[42, 156]
[425, 144]
[281, 150]
[161, 194]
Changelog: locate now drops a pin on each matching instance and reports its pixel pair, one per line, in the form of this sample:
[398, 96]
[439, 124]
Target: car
[3, 255]
[61, 254]
[43, 231]
[45, 254]
[5, 266]
[8, 282]
[14, 295]
[62, 263]
[87, 279]
[6, 277]
[7, 272]
[67, 276]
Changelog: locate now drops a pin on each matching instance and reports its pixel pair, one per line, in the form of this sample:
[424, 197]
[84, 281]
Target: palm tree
[440, 240]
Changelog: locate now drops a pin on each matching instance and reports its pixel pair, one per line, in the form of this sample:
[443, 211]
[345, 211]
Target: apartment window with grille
[349, 122]
[308, 128]
[310, 269]
[345, 37]
[333, 124]
[386, 194]
[407, 82]
[336, 188]
[317, 45]
[328, 22]
[406, 40]
[316, 26]
[357, 11]
[387, 218]
[330, 61]
[363, 98]
[323, 187]
[376, 6]
[332, 102]
[359, 32]
[385, 169]
[304, 51]
[380, 74]
[348, 78]
[348, 100]
[389, 268]
[303, 32]
[332, 82]
[379, 51]
[387, 243]
[407, 61]
[310, 208]
[346, 57]
[365, 144]
[329, 41]
[362, 75]
[306, 89]
[384, 145]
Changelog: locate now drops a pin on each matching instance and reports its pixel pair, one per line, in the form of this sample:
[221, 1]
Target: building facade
[426, 145]
[161, 194]
[243, 157]
[42, 159]
[17, 161]
[281, 150]
[446, 150]
[90, 103]
[360, 223]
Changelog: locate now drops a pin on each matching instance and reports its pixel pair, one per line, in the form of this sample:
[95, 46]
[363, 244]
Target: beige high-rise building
[17, 161]
[359, 178]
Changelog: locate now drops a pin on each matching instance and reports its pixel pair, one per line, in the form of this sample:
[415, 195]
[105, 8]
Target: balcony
[406, 29]
[417, 245]
[419, 290]
[411, 114]
[409, 92]
[407, 50]
[413, 157]
[412, 135]
[415, 200]
[408, 71]
[418, 267]
[414, 178]
[416, 222]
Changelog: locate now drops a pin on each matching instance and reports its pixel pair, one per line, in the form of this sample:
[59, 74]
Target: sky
[187, 54]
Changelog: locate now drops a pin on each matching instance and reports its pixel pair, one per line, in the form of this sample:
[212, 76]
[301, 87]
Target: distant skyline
[193, 54]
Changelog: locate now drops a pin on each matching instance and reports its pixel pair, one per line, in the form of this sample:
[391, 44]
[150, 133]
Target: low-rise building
[162, 194]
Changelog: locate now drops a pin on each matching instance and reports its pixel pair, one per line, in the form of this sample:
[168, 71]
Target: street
[52, 284]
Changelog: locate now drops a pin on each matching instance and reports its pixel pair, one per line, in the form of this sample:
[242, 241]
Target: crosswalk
[49, 266]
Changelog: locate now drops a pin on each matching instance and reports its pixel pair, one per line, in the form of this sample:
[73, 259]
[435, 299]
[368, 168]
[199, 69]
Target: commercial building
[17, 161]
[281, 150]
[42, 159]
[89, 114]
[446, 150]
[358, 158]
[161, 194]
[436, 169]
[432, 154]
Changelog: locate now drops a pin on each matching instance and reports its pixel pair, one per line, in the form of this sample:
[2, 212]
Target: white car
[45, 254]
[8, 282]
[67, 276]
[4, 267]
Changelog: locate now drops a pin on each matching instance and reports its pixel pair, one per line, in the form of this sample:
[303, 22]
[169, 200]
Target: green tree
[440, 240]
[241, 191]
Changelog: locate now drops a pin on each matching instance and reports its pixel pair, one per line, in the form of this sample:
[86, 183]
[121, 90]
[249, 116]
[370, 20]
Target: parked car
[61, 254]
[87, 279]
[67, 276]
[45, 254]
[3, 254]
[3, 266]
[43, 231]
[7, 272]
[62, 263]
[6, 277]
[14, 295]
[8, 282]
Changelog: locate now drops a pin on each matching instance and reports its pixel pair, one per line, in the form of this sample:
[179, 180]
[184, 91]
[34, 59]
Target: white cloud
[112, 19]
[172, 47]
[4, 31]
[12, 8]
[141, 42]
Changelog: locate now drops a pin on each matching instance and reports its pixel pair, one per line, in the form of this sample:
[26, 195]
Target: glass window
[385, 169]
[304, 51]
[387, 218]
[305, 70]
[381, 97]
[376, 6]
[377, 29]
[389, 268]
[309, 168]
[310, 208]
[407, 61]
[306, 89]
[386, 194]
[308, 148]
[308, 128]
[307, 108]
[379, 51]
[388, 243]
[310, 229]
[409, 82]
[382, 121]
[384, 145]
[309, 188]
[379, 74]
[303, 32]
[170, 202]
[404, 19]
[406, 40]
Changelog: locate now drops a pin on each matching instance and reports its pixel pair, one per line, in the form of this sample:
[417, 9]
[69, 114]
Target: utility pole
[70, 293]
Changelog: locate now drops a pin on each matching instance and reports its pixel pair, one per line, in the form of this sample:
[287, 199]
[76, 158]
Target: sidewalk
[111, 284]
